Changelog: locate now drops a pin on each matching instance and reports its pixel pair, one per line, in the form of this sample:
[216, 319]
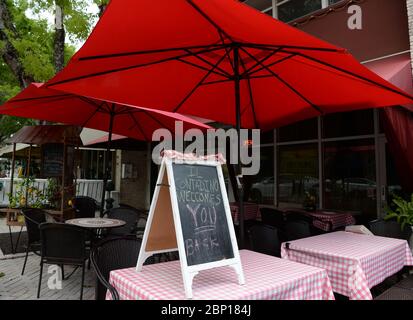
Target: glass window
[304, 130]
[267, 137]
[269, 12]
[298, 174]
[330, 2]
[294, 9]
[259, 4]
[350, 177]
[260, 187]
[355, 123]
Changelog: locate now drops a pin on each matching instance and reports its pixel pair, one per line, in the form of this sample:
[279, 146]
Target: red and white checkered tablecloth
[326, 220]
[266, 278]
[329, 221]
[251, 211]
[354, 262]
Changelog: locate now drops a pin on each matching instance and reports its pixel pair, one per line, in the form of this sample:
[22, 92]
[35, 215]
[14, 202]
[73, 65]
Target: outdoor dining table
[354, 262]
[326, 220]
[96, 223]
[266, 278]
[251, 211]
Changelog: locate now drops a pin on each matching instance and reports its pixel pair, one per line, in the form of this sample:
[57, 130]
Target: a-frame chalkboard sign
[190, 213]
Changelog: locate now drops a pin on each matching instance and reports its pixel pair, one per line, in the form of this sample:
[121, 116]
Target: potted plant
[403, 213]
[309, 203]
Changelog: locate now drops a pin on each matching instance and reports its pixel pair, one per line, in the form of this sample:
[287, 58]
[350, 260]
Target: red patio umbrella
[220, 60]
[39, 102]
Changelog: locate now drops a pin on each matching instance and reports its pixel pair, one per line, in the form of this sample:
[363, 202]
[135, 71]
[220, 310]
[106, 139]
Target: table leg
[18, 239]
[11, 241]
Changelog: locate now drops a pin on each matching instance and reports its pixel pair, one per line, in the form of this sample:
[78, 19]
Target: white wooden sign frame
[152, 244]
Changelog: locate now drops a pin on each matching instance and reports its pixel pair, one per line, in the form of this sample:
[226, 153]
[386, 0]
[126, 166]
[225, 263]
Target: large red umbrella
[39, 102]
[221, 60]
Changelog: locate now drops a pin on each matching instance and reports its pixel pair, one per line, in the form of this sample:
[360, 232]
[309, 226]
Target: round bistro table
[96, 223]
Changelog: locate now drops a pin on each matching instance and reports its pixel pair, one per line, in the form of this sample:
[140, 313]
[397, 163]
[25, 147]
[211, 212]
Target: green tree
[32, 51]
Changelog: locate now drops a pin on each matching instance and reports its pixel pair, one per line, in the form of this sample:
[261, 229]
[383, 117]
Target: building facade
[342, 161]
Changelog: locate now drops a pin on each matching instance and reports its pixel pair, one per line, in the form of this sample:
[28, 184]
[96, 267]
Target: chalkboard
[52, 160]
[202, 213]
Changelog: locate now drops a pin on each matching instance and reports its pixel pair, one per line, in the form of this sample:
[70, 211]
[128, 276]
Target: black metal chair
[272, 217]
[391, 229]
[62, 244]
[85, 207]
[130, 216]
[275, 218]
[297, 229]
[112, 254]
[33, 218]
[264, 239]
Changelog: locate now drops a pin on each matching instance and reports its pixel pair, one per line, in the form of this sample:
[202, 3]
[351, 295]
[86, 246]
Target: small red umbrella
[220, 60]
[39, 102]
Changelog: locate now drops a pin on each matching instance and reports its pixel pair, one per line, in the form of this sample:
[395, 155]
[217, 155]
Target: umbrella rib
[132, 115]
[91, 116]
[197, 86]
[230, 80]
[133, 53]
[157, 120]
[128, 67]
[209, 63]
[202, 13]
[202, 68]
[247, 72]
[39, 98]
[274, 63]
[353, 74]
[275, 46]
[251, 96]
[228, 51]
[287, 84]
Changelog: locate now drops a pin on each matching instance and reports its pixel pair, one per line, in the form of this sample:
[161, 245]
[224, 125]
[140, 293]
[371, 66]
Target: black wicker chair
[62, 244]
[130, 216]
[391, 229]
[85, 207]
[112, 254]
[33, 218]
[264, 239]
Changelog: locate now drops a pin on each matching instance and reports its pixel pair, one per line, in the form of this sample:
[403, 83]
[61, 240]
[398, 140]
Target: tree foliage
[32, 41]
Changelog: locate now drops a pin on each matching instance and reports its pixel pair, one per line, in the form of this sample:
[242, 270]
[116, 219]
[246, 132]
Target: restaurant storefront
[339, 161]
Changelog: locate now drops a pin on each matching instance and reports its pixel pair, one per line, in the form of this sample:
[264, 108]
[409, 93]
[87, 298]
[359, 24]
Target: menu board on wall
[52, 155]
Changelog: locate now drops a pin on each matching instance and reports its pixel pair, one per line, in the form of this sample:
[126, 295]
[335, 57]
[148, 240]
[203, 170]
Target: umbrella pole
[238, 125]
[106, 162]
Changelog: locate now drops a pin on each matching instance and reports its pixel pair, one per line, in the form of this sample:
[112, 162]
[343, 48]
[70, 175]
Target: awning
[7, 150]
[397, 70]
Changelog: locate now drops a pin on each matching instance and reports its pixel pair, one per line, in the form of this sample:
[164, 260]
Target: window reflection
[350, 176]
[298, 174]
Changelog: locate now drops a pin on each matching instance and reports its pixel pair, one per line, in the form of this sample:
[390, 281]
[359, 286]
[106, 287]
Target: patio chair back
[391, 229]
[33, 218]
[85, 207]
[297, 229]
[112, 254]
[63, 244]
[264, 239]
[130, 216]
[272, 217]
